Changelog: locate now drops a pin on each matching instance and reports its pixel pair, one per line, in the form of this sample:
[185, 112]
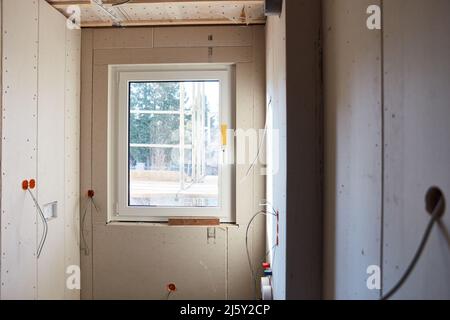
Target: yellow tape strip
[224, 129]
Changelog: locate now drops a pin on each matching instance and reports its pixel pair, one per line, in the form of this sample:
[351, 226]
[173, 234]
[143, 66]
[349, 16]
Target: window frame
[120, 210]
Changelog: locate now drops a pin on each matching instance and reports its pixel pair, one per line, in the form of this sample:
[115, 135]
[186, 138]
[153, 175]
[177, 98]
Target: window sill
[166, 225]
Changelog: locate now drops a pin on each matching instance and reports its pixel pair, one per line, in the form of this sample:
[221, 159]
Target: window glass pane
[154, 176]
[174, 151]
[154, 128]
[188, 129]
[163, 96]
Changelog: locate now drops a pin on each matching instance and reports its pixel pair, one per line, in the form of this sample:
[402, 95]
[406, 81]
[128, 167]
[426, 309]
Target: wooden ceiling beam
[143, 23]
[88, 2]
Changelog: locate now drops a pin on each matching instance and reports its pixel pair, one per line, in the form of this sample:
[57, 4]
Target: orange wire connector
[25, 185]
[171, 287]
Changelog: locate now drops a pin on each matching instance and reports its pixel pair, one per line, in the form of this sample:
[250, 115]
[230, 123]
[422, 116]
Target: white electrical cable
[85, 246]
[44, 221]
[265, 213]
[252, 165]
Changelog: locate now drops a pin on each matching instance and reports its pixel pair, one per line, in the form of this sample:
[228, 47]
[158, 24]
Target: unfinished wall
[137, 261]
[276, 148]
[387, 110]
[353, 133]
[19, 143]
[417, 149]
[294, 85]
[40, 141]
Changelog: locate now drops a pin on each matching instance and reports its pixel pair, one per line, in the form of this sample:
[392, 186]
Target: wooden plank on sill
[194, 222]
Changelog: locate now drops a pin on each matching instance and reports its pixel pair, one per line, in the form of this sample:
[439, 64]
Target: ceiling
[104, 13]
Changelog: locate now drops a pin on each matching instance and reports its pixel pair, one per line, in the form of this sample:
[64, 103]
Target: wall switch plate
[211, 235]
[50, 210]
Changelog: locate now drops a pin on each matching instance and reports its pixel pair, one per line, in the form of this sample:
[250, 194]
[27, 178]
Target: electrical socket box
[50, 210]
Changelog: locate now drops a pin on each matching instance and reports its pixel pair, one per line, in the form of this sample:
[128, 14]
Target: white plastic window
[172, 160]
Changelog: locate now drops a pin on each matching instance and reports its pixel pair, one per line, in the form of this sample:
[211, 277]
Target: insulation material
[173, 13]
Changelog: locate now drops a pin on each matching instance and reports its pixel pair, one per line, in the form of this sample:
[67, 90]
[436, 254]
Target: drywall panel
[250, 115]
[276, 148]
[417, 151]
[352, 71]
[258, 235]
[233, 266]
[304, 150]
[51, 139]
[172, 55]
[244, 122]
[123, 38]
[1, 132]
[19, 128]
[140, 264]
[100, 144]
[85, 163]
[72, 154]
[204, 37]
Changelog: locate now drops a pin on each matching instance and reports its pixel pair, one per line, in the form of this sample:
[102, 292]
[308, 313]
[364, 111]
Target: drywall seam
[1, 132]
[91, 182]
[383, 148]
[72, 159]
[37, 147]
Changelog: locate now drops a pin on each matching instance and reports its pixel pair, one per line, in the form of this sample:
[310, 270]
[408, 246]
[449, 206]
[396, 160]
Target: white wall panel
[72, 153]
[40, 140]
[19, 125]
[50, 182]
[352, 69]
[417, 152]
[276, 147]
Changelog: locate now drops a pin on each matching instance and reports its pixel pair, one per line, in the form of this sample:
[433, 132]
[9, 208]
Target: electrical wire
[253, 273]
[252, 165]
[85, 246]
[434, 218]
[45, 223]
